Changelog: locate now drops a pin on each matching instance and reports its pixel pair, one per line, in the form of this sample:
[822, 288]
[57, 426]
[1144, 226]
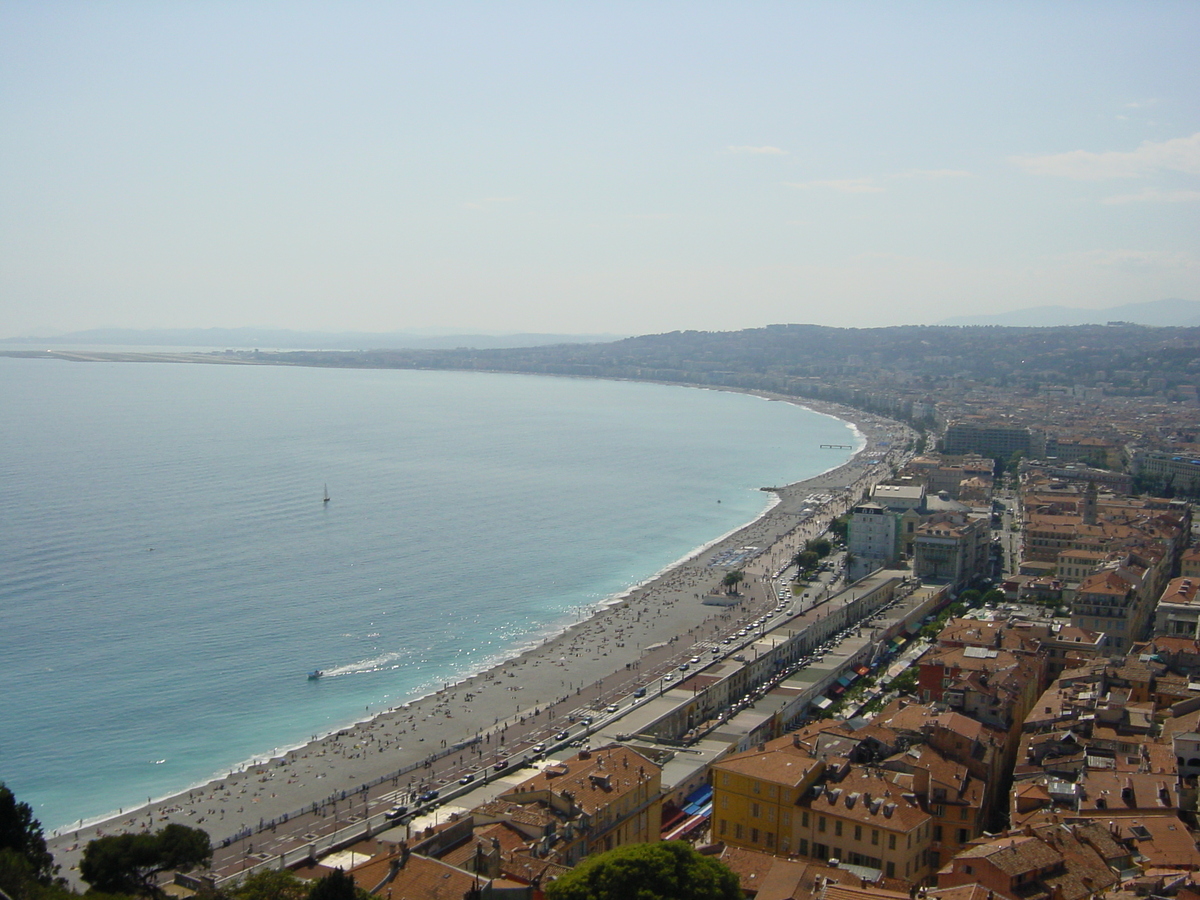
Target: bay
[169, 571]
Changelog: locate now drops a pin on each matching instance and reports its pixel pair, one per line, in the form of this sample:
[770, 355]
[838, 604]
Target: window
[875, 836]
[737, 830]
[754, 810]
[858, 832]
[804, 818]
[837, 827]
[754, 835]
[964, 814]
[891, 842]
[891, 870]
[724, 801]
[787, 818]
[770, 839]
[722, 826]
[802, 847]
[755, 787]
[724, 779]
[937, 832]
[963, 837]
[820, 823]
[970, 870]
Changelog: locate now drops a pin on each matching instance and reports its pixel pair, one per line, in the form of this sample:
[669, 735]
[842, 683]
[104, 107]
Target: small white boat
[315, 674]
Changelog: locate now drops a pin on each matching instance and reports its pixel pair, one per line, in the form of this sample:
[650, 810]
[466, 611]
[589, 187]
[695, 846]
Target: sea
[170, 571]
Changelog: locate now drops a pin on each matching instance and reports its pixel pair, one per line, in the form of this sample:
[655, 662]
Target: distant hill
[1162, 313]
[283, 339]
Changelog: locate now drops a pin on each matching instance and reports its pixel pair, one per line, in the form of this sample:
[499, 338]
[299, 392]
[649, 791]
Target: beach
[280, 801]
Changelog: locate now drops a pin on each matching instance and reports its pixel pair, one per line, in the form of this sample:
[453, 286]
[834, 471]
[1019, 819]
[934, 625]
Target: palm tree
[732, 580]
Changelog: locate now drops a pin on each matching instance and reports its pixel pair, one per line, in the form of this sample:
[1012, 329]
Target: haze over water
[169, 572]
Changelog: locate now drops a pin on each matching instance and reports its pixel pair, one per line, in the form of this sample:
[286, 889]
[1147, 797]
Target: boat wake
[386, 662]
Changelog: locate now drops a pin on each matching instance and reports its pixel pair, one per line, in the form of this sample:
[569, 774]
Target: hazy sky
[591, 167]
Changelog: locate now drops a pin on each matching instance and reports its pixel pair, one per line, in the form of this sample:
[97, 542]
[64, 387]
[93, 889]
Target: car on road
[695, 660]
[395, 813]
[669, 677]
[561, 736]
[640, 692]
[500, 764]
[467, 779]
[539, 748]
[683, 667]
[428, 796]
[611, 709]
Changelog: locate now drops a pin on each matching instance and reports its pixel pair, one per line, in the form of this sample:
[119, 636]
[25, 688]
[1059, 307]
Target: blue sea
[169, 572]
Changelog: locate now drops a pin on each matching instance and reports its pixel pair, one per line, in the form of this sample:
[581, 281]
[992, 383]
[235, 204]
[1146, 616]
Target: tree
[806, 560]
[337, 885]
[840, 527]
[819, 546]
[271, 884]
[130, 863]
[669, 870]
[732, 580]
[21, 835]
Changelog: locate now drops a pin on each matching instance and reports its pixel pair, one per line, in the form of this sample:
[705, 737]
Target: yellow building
[776, 798]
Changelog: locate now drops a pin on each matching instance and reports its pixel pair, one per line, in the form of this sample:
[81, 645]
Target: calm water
[169, 572]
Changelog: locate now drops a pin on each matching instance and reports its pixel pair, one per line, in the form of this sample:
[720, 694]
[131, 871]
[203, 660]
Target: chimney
[796, 740]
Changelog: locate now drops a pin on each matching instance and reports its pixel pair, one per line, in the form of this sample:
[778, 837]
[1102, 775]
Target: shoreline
[662, 616]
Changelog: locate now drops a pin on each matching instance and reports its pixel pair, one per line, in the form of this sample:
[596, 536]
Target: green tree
[21, 834]
[669, 870]
[337, 885]
[130, 863]
[995, 595]
[271, 884]
[819, 546]
[840, 527]
[806, 560]
[732, 580]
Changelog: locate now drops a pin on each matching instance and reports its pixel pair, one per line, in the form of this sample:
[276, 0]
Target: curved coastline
[655, 614]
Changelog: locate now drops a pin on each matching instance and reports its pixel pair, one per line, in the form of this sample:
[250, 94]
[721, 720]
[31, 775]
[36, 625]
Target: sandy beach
[281, 802]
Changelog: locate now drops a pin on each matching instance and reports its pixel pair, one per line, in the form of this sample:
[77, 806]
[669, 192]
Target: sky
[591, 167]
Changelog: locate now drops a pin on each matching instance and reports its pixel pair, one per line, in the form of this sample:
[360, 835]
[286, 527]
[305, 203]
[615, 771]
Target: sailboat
[326, 500]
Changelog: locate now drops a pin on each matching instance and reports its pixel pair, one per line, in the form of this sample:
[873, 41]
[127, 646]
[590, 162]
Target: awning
[823, 703]
[863, 670]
